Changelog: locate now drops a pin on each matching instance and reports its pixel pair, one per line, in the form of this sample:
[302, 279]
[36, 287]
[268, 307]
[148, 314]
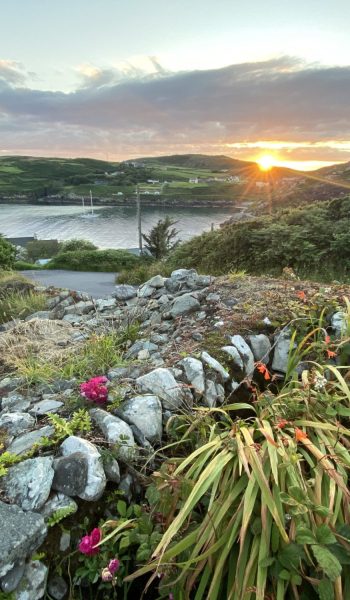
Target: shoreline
[130, 202]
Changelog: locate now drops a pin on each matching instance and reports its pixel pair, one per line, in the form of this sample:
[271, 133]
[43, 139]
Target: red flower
[282, 423]
[263, 370]
[300, 434]
[331, 354]
[327, 339]
[302, 296]
[95, 390]
[87, 544]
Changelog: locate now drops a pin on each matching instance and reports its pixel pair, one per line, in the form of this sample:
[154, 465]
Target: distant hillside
[200, 161]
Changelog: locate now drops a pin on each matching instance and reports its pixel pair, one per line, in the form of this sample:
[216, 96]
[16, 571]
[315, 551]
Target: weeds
[17, 305]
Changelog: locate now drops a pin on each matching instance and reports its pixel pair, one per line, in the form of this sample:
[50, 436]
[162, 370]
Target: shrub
[94, 260]
[21, 265]
[143, 272]
[7, 254]
[42, 249]
[160, 240]
[74, 245]
[310, 240]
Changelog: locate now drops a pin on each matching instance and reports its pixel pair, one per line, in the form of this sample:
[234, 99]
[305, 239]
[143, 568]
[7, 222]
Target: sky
[117, 80]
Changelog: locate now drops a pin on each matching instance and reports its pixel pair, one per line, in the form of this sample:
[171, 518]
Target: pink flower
[114, 565]
[88, 542]
[95, 390]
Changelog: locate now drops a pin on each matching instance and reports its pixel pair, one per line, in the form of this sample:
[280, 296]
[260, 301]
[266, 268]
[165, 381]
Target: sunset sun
[266, 162]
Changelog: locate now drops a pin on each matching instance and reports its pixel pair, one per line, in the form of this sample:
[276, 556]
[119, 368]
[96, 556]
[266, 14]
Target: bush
[21, 265]
[313, 239]
[143, 272]
[7, 254]
[42, 249]
[74, 245]
[160, 240]
[94, 260]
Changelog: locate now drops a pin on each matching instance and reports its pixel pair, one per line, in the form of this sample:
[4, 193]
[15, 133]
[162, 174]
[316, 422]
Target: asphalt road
[97, 285]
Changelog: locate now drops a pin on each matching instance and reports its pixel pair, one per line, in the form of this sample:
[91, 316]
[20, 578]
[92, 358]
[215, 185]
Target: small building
[193, 180]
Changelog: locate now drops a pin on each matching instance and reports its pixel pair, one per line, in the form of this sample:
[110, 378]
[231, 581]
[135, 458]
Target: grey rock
[116, 432]
[11, 580]
[198, 337]
[26, 441]
[213, 297]
[194, 373]
[210, 396]
[80, 308]
[146, 413]
[111, 468]
[184, 304]
[45, 406]
[9, 384]
[214, 364]
[234, 356]
[339, 323]
[126, 486]
[28, 484]
[65, 541]
[57, 587]
[71, 474]
[145, 291]
[281, 352]
[156, 282]
[118, 373]
[261, 347]
[140, 345]
[33, 582]
[58, 502]
[245, 352]
[74, 319]
[15, 403]
[105, 303]
[16, 422]
[96, 479]
[162, 383]
[159, 338]
[41, 314]
[24, 533]
[164, 299]
[124, 292]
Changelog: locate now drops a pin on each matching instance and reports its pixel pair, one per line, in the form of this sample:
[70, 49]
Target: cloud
[126, 112]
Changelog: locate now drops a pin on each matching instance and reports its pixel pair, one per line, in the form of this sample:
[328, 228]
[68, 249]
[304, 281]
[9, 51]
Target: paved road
[97, 285]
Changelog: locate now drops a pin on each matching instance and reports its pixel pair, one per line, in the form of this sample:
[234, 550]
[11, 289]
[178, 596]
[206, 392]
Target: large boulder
[162, 383]
[123, 293]
[146, 413]
[22, 533]
[96, 479]
[16, 422]
[116, 432]
[28, 484]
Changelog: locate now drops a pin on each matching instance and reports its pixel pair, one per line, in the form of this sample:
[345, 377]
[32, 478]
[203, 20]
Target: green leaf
[121, 508]
[291, 556]
[304, 536]
[137, 510]
[323, 511]
[285, 575]
[298, 494]
[325, 590]
[325, 536]
[296, 578]
[267, 562]
[327, 561]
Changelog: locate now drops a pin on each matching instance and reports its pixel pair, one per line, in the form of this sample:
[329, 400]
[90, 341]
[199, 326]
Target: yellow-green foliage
[143, 272]
[18, 305]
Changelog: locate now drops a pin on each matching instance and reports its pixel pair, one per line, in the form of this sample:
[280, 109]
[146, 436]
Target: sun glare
[266, 162]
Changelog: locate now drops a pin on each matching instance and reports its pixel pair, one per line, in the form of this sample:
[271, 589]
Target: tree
[160, 240]
[7, 254]
[73, 245]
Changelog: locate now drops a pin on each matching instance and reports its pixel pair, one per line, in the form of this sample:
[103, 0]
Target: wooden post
[139, 218]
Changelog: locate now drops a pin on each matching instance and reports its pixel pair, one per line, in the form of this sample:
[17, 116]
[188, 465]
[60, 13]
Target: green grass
[94, 358]
[94, 260]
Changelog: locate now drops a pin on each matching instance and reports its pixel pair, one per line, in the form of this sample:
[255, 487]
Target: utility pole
[138, 203]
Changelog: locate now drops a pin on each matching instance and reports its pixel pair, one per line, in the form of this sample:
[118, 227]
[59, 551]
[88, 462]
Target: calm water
[113, 227]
